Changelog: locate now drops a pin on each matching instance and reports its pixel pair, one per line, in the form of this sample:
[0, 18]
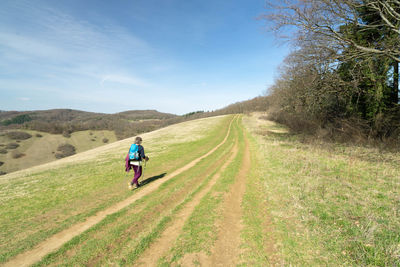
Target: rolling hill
[50, 130]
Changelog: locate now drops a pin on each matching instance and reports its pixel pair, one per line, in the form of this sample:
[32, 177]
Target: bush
[66, 134]
[65, 150]
[2, 173]
[105, 140]
[3, 151]
[1, 163]
[93, 140]
[12, 146]
[18, 135]
[20, 119]
[16, 154]
[38, 135]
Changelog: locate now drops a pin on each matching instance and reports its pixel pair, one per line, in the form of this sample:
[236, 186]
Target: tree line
[343, 73]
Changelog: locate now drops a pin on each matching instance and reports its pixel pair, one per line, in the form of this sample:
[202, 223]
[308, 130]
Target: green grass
[328, 205]
[123, 236]
[39, 204]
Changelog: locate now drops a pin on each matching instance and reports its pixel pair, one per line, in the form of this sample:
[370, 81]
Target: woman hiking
[134, 160]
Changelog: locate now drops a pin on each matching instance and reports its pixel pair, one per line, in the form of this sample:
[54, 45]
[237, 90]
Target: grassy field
[302, 204]
[38, 150]
[123, 237]
[325, 204]
[46, 199]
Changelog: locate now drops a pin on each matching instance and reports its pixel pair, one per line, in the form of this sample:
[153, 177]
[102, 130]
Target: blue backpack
[134, 152]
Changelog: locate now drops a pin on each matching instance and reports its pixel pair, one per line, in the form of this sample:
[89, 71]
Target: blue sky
[175, 56]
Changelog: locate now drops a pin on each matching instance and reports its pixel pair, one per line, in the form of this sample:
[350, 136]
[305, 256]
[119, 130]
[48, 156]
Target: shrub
[16, 135]
[65, 150]
[66, 134]
[12, 146]
[16, 154]
[93, 139]
[1, 163]
[2, 173]
[105, 140]
[38, 135]
[3, 151]
[20, 119]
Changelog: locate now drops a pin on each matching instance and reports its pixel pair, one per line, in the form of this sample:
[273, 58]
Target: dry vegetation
[12, 146]
[16, 154]
[342, 80]
[18, 135]
[65, 150]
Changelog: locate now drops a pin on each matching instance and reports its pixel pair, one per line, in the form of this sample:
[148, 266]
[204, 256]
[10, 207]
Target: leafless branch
[324, 18]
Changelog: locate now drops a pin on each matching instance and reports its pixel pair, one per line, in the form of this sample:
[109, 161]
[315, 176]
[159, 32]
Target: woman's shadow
[153, 178]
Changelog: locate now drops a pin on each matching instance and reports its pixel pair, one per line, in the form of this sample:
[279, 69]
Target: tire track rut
[161, 246]
[226, 250]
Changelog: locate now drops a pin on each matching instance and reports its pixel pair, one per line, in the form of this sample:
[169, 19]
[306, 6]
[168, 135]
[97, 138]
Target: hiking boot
[130, 186]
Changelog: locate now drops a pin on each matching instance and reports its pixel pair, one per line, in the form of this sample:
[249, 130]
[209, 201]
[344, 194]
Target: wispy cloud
[122, 79]
[60, 47]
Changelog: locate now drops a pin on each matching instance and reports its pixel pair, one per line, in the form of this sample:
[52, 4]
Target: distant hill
[51, 130]
[29, 138]
[68, 115]
[67, 121]
[124, 124]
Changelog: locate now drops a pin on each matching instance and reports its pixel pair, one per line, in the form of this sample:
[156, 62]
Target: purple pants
[138, 173]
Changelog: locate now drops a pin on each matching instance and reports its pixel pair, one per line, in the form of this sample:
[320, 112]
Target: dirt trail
[56, 241]
[226, 250]
[161, 246]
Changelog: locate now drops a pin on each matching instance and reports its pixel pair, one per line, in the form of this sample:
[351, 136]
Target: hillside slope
[43, 147]
[46, 199]
[222, 191]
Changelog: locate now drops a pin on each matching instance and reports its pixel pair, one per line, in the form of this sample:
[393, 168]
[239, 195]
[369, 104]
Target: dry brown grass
[332, 204]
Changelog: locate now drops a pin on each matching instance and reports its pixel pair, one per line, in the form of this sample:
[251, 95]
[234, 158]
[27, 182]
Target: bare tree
[325, 19]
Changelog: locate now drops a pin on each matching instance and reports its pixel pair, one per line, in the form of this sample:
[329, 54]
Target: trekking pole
[143, 168]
